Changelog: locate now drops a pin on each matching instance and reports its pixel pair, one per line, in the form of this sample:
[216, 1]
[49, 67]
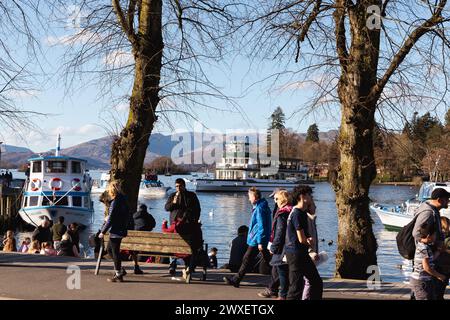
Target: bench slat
[156, 241]
[155, 248]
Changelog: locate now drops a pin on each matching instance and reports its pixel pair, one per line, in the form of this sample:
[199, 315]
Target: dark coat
[118, 218]
[143, 221]
[187, 207]
[279, 235]
[238, 248]
[42, 234]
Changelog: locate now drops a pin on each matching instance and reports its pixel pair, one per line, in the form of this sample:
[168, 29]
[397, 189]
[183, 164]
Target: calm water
[223, 213]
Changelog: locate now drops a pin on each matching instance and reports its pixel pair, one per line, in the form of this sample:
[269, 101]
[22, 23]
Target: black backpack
[405, 241]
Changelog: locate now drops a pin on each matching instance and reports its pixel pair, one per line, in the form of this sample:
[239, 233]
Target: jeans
[274, 280]
[247, 261]
[173, 263]
[283, 272]
[423, 290]
[114, 252]
[301, 265]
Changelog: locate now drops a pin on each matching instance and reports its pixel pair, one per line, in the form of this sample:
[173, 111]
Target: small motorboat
[395, 217]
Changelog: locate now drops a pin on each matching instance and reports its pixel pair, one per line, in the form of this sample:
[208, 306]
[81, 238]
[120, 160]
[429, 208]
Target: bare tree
[161, 47]
[366, 56]
[19, 54]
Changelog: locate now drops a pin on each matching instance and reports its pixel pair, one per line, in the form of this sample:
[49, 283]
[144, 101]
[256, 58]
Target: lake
[223, 213]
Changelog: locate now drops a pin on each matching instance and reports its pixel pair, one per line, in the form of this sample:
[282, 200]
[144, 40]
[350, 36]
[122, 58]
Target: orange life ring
[55, 188]
[35, 184]
[76, 184]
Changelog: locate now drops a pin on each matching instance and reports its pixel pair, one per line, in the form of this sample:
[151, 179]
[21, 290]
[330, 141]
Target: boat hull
[393, 218]
[33, 215]
[216, 185]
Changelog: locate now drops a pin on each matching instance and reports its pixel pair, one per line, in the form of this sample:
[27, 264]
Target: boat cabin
[58, 181]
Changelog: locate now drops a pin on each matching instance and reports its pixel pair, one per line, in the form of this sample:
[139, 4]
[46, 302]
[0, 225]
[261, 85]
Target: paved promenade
[24, 276]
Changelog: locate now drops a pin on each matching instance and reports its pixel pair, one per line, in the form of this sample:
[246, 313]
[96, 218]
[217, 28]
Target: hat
[440, 193]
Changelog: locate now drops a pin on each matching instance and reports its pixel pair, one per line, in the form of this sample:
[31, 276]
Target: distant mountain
[97, 152]
[6, 148]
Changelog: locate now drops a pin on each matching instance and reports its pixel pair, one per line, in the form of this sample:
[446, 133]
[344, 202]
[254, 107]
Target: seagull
[211, 213]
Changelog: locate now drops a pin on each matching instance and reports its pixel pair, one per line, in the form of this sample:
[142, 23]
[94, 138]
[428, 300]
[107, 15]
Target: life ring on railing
[76, 184]
[57, 187]
[35, 184]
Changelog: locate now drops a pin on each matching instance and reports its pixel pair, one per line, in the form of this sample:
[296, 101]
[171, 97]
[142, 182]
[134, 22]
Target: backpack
[405, 241]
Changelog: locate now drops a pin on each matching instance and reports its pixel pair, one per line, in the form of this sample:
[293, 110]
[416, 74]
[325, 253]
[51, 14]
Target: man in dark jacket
[184, 205]
[238, 248]
[142, 221]
[43, 233]
[117, 225]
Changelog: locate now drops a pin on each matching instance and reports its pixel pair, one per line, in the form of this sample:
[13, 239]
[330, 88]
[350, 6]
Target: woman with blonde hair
[277, 238]
[117, 224]
[9, 243]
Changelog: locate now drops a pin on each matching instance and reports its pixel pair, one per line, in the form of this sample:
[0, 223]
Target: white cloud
[118, 59]
[122, 107]
[73, 39]
[87, 129]
[23, 94]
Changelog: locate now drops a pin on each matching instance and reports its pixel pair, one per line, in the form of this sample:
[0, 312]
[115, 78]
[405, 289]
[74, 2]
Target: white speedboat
[149, 186]
[395, 217]
[57, 186]
[152, 188]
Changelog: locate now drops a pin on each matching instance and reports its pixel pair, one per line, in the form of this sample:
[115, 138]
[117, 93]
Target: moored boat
[57, 186]
[395, 217]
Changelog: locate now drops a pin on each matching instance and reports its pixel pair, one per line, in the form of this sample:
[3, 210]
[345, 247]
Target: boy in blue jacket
[258, 235]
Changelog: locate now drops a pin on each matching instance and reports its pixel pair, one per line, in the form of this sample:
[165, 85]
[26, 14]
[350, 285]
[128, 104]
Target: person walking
[183, 205]
[278, 238]
[116, 223]
[296, 248]
[428, 213]
[258, 236]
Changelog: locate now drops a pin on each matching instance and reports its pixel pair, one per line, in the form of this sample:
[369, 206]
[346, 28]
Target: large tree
[161, 47]
[368, 56]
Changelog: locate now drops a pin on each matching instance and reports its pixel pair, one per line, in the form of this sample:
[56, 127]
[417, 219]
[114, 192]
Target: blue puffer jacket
[260, 224]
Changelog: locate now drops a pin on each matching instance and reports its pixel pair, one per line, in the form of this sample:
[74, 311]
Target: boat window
[37, 166]
[58, 201]
[76, 167]
[76, 201]
[33, 201]
[56, 166]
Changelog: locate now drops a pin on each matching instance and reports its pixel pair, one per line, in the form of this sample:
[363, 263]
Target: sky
[84, 114]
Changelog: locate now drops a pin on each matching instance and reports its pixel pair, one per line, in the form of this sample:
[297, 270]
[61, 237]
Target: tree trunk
[356, 241]
[129, 149]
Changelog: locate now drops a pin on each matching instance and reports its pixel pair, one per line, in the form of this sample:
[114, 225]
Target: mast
[58, 145]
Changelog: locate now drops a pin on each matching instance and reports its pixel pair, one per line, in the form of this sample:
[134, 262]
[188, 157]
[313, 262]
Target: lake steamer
[57, 186]
[238, 171]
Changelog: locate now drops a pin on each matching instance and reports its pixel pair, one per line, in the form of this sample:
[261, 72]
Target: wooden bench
[154, 243]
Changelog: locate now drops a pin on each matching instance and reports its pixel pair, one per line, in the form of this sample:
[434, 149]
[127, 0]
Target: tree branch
[341, 41]
[421, 30]
[123, 23]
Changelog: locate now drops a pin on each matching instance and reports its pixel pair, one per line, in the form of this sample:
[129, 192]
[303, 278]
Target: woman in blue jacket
[258, 235]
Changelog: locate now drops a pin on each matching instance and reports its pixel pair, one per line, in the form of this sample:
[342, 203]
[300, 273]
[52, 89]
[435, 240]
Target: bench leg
[99, 260]
[204, 273]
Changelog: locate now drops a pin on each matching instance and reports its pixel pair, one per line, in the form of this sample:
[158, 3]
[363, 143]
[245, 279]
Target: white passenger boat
[238, 171]
[394, 217]
[57, 186]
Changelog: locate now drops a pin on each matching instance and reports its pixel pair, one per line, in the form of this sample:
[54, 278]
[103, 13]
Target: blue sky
[82, 115]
